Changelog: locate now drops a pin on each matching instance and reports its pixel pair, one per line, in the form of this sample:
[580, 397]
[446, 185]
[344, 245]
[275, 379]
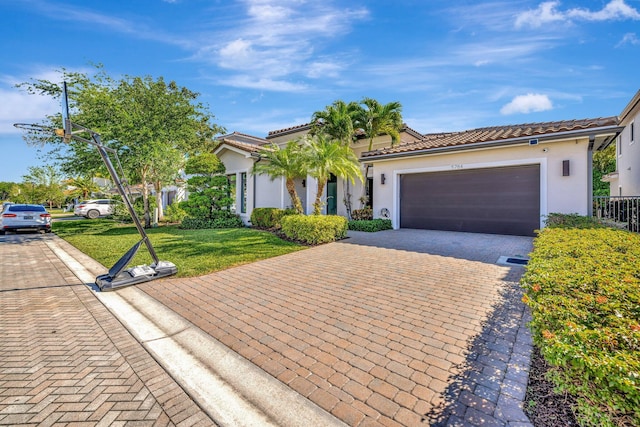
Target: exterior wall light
[383, 179]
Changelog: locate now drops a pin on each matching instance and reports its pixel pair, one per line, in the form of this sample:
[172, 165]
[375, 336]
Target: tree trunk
[295, 200]
[364, 187]
[158, 188]
[317, 205]
[347, 197]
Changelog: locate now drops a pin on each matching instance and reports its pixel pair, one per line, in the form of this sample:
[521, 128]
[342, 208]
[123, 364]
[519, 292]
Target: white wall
[558, 194]
[627, 158]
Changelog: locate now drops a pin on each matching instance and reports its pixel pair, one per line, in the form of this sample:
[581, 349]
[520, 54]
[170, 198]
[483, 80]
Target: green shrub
[362, 214]
[269, 217]
[314, 229]
[557, 220]
[174, 213]
[583, 287]
[221, 219]
[370, 225]
[121, 213]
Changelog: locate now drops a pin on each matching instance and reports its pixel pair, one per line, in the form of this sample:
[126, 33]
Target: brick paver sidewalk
[64, 359]
[399, 328]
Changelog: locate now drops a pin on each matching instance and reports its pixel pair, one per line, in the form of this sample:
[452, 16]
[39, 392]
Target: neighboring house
[625, 181]
[501, 180]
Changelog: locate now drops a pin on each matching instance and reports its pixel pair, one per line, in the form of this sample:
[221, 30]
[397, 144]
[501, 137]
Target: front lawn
[194, 252]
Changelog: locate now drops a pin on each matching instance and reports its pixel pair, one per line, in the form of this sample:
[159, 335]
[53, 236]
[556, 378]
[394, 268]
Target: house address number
[457, 166]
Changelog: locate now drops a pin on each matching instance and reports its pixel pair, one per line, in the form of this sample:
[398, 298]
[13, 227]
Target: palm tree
[337, 122]
[324, 157]
[376, 119]
[283, 162]
[82, 187]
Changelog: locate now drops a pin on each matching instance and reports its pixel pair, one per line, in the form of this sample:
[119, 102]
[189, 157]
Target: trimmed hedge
[314, 229]
[269, 217]
[583, 287]
[556, 220]
[370, 225]
[223, 219]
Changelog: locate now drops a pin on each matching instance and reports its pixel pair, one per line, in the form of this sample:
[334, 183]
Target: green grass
[194, 252]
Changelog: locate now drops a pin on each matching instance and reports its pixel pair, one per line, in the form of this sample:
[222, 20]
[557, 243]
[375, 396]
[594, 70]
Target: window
[631, 131]
[232, 191]
[243, 195]
[619, 144]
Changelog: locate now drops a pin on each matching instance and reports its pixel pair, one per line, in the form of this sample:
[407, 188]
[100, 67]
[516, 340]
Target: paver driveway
[404, 327]
[65, 360]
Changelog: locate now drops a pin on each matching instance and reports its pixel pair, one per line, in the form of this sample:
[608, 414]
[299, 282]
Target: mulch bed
[543, 406]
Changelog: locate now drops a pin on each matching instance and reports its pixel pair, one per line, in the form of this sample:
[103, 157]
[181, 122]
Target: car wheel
[93, 214]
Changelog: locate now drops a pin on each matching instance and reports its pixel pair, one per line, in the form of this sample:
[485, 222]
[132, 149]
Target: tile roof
[243, 137]
[292, 129]
[244, 146]
[494, 134]
[359, 134]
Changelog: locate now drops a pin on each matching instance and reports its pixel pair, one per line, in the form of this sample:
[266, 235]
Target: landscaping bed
[583, 287]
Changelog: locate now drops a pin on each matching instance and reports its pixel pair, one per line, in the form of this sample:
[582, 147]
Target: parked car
[25, 217]
[92, 209]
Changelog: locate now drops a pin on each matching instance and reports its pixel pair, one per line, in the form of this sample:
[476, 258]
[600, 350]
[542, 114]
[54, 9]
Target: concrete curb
[232, 390]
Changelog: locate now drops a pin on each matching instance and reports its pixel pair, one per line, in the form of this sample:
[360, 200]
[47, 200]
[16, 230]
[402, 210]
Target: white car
[25, 217]
[92, 209]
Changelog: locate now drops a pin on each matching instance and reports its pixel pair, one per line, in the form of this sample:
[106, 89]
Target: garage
[504, 200]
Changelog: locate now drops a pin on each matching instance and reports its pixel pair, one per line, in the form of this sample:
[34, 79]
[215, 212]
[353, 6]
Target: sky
[262, 65]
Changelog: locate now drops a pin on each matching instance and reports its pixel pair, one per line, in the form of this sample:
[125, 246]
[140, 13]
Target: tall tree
[146, 120]
[377, 119]
[284, 162]
[82, 187]
[337, 122]
[324, 157]
[46, 185]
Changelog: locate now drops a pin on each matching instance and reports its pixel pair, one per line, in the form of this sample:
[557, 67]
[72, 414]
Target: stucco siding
[628, 153]
[558, 193]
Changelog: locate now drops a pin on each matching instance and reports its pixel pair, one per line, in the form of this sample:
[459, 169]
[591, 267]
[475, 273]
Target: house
[239, 152]
[625, 180]
[501, 180]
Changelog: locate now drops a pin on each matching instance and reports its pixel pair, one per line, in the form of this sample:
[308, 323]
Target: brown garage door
[497, 200]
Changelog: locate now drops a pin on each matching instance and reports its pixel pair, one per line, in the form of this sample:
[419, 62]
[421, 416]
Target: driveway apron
[395, 328]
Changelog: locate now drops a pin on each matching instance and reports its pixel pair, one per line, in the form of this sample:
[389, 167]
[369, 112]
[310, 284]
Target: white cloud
[529, 103]
[279, 39]
[252, 82]
[548, 12]
[629, 38]
[20, 107]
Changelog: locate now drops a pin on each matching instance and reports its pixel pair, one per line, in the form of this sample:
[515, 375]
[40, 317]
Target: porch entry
[332, 195]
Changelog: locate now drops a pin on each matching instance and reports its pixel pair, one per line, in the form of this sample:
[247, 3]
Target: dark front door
[332, 195]
[502, 200]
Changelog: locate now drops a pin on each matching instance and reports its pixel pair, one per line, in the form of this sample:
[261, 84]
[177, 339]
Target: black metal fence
[620, 211]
